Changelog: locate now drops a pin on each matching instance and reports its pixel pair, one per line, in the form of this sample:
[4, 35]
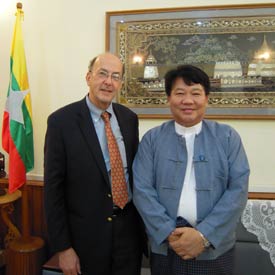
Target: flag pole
[26, 254]
[25, 203]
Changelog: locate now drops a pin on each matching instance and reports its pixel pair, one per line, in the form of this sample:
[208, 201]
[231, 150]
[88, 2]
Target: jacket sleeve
[158, 224]
[223, 218]
[54, 187]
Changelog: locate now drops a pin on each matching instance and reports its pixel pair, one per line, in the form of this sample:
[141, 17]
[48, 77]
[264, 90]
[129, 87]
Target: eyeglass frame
[104, 74]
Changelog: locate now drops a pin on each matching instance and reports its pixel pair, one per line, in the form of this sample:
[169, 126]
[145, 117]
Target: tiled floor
[145, 271]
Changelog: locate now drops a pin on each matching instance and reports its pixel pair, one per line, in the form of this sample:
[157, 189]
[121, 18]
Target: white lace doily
[259, 219]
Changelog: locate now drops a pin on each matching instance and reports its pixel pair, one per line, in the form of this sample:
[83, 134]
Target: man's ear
[88, 76]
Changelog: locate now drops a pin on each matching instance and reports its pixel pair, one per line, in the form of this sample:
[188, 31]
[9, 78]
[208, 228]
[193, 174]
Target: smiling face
[187, 103]
[104, 80]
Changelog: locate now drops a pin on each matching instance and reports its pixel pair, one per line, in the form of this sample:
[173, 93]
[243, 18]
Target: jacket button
[109, 219]
[109, 195]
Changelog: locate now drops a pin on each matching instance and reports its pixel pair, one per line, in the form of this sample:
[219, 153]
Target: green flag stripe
[14, 84]
[23, 143]
[29, 161]
[22, 134]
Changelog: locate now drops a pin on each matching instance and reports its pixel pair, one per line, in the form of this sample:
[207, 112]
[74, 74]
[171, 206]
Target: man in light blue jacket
[190, 183]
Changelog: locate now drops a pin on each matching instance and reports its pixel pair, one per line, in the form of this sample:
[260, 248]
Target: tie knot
[105, 116]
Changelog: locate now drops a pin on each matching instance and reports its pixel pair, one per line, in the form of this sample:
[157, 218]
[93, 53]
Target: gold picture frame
[234, 44]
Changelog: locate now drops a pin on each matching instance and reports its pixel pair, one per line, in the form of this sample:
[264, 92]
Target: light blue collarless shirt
[100, 131]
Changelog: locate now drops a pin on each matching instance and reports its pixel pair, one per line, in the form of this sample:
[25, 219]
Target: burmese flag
[17, 133]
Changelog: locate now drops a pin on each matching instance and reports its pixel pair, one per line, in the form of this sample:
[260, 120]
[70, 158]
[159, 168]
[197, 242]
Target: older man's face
[104, 80]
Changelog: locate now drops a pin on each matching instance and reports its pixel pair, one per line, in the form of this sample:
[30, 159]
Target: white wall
[62, 36]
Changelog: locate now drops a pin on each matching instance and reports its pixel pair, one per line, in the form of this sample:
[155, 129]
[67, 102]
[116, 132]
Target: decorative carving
[6, 209]
[13, 232]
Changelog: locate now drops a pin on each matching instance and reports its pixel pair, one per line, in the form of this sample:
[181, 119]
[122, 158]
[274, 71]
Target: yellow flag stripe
[19, 67]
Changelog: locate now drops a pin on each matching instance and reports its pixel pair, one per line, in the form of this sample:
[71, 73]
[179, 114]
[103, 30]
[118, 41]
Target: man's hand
[186, 242]
[69, 262]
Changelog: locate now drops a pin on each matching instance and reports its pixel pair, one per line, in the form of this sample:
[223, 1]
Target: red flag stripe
[17, 171]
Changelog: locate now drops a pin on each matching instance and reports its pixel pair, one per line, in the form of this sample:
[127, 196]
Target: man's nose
[108, 80]
[187, 99]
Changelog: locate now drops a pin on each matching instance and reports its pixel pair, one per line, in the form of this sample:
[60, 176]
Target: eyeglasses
[102, 74]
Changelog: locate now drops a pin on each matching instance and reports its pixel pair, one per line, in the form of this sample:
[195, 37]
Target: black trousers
[126, 245]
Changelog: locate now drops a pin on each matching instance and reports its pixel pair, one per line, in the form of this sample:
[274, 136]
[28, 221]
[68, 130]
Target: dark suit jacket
[77, 185]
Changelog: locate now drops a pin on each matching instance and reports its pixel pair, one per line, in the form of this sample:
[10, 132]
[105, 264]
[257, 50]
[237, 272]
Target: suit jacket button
[109, 195]
[109, 219]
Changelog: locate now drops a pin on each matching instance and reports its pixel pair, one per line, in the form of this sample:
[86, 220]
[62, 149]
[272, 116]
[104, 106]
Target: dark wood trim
[29, 182]
[251, 195]
[261, 195]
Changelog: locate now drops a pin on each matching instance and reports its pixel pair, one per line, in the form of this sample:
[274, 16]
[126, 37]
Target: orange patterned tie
[119, 188]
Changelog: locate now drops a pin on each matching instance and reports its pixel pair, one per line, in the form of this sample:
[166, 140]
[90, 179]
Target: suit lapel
[88, 130]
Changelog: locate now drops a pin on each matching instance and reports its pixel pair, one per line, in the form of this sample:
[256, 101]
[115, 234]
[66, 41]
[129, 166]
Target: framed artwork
[234, 45]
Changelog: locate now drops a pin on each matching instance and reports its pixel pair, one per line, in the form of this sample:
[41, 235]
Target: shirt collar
[96, 112]
[183, 131]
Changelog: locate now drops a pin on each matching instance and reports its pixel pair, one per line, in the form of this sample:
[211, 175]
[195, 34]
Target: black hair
[190, 75]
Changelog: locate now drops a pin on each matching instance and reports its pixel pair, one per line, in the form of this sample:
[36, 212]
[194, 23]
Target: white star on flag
[14, 105]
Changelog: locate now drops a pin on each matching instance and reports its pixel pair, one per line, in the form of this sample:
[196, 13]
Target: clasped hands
[186, 242]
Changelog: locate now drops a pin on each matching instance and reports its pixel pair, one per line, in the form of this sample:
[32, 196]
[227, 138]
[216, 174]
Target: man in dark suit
[91, 234]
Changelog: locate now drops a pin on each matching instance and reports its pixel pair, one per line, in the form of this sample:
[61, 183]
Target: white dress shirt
[188, 199]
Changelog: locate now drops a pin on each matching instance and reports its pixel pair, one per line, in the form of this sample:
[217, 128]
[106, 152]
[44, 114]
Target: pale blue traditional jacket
[221, 172]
